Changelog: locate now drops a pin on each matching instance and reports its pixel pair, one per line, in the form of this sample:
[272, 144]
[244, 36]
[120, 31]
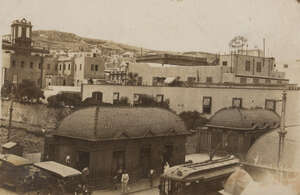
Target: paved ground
[142, 187]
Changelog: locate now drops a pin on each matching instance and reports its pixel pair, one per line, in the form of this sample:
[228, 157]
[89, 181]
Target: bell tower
[21, 32]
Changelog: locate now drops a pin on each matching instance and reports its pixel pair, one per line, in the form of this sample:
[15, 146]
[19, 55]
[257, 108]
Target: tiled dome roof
[245, 119]
[120, 123]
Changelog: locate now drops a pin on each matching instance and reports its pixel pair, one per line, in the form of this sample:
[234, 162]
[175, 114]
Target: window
[207, 104]
[40, 66]
[75, 67]
[69, 67]
[13, 63]
[31, 64]
[48, 66]
[258, 67]
[237, 102]
[270, 105]
[256, 80]
[140, 81]
[60, 67]
[159, 98]
[154, 81]
[22, 64]
[209, 79]
[64, 66]
[191, 79]
[56, 66]
[247, 67]
[92, 67]
[80, 67]
[116, 97]
[243, 80]
[97, 96]
[224, 63]
[96, 67]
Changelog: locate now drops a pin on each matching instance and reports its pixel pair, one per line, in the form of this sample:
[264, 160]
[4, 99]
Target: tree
[64, 99]
[27, 91]
[7, 89]
[193, 119]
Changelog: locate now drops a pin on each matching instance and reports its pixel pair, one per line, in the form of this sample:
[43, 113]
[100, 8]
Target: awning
[170, 80]
[57, 168]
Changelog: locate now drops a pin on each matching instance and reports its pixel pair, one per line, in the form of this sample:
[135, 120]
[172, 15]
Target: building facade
[209, 68]
[139, 140]
[206, 99]
[234, 130]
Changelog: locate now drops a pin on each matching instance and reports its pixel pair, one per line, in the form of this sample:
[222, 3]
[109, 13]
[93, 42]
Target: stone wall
[32, 116]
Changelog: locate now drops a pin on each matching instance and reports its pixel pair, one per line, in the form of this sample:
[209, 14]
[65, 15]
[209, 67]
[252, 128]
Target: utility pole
[281, 132]
[42, 66]
[10, 119]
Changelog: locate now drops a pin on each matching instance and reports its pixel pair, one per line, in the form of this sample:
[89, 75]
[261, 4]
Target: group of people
[122, 177]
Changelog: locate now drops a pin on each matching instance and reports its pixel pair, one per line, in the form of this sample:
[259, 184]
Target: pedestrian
[124, 181]
[117, 179]
[85, 175]
[166, 167]
[151, 177]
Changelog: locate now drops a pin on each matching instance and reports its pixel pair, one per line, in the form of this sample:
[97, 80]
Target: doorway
[83, 160]
[168, 154]
[118, 161]
[145, 160]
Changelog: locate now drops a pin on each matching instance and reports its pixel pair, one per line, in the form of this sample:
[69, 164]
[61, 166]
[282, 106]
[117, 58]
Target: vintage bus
[206, 177]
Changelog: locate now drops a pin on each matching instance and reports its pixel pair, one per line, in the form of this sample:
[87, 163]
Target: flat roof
[57, 168]
[174, 59]
[14, 160]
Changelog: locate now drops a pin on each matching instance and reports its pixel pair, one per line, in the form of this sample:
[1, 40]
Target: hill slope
[69, 41]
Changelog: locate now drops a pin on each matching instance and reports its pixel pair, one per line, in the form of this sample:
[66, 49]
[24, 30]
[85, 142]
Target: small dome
[245, 119]
[120, 123]
[264, 152]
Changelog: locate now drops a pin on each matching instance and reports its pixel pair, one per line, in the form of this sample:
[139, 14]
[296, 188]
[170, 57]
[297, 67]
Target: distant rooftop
[182, 60]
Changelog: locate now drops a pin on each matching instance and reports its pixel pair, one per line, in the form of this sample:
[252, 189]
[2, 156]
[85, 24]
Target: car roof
[57, 169]
[14, 160]
[203, 170]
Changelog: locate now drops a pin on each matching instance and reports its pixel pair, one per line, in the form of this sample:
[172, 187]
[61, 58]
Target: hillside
[70, 41]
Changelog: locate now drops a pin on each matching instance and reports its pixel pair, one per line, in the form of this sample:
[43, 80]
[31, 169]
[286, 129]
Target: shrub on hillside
[64, 99]
[193, 119]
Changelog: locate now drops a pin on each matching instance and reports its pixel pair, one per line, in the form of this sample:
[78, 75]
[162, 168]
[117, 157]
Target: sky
[176, 25]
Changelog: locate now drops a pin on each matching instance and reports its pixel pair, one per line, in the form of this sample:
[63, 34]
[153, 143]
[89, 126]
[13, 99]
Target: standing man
[151, 177]
[124, 181]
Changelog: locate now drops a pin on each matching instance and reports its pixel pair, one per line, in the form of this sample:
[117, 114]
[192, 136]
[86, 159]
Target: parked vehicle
[60, 179]
[16, 172]
[205, 177]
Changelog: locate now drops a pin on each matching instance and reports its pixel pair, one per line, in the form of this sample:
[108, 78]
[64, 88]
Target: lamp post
[282, 133]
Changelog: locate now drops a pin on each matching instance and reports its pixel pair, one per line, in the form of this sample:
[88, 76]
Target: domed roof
[120, 123]
[244, 119]
[264, 152]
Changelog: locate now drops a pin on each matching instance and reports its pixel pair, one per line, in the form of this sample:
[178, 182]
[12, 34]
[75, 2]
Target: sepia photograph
[150, 97]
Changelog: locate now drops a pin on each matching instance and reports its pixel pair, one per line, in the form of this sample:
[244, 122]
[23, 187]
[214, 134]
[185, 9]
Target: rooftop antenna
[264, 46]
